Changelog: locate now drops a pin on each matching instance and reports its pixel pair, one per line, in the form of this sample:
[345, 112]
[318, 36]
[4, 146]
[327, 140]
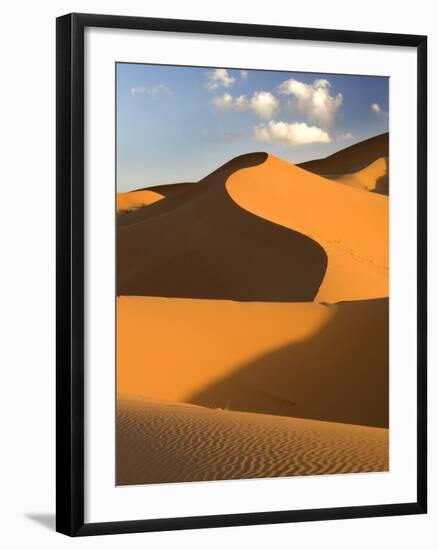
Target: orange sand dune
[293, 359]
[258, 229]
[170, 442]
[351, 226]
[201, 244]
[373, 177]
[350, 159]
[136, 199]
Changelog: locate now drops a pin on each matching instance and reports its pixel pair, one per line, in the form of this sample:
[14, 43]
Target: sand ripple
[164, 442]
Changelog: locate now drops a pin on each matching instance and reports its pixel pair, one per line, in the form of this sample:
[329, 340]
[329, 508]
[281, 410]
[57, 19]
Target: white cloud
[264, 104]
[227, 102]
[218, 78]
[241, 103]
[294, 133]
[243, 75]
[152, 90]
[313, 100]
[224, 102]
[378, 111]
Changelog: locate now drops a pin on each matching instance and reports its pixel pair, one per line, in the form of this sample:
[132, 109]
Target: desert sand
[373, 177]
[175, 442]
[247, 232]
[351, 226]
[132, 200]
[364, 165]
[169, 189]
[291, 359]
[257, 297]
[218, 249]
[351, 159]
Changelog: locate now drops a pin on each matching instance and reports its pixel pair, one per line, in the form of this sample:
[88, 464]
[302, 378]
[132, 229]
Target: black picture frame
[70, 273]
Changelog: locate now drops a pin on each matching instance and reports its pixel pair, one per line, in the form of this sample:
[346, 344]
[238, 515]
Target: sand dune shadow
[339, 374]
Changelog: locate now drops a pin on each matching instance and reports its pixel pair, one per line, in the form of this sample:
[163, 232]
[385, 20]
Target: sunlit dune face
[136, 199]
[351, 226]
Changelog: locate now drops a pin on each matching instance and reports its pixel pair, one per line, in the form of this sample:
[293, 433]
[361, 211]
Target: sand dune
[351, 159]
[166, 442]
[351, 226]
[373, 177]
[258, 229]
[136, 199]
[201, 244]
[170, 189]
[294, 359]
[258, 297]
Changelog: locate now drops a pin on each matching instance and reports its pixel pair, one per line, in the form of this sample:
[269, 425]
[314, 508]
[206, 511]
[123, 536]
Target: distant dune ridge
[170, 189]
[373, 177]
[259, 297]
[353, 161]
[167, 442]
[352, 158]
[127, 202]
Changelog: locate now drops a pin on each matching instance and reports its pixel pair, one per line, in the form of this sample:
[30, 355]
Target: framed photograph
[241, 274]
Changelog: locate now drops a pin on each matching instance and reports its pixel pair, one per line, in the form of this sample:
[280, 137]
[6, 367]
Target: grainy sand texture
[174, 442]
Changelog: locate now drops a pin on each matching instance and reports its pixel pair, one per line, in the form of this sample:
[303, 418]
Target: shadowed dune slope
[351, 226]
[167, 442]
[350, 159]
[291, 359]
[339, 374]
[133, 200]
[169, 189]
[200, 244]
[373, 177]
[136, 199]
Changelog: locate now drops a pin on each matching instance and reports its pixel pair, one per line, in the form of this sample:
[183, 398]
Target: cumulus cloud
[224, 102]
[241, 103]
[378, 111]
[313, 100]
[243, 75]
[264, 104]
[218, 78]
[294, 133]
[152, 90]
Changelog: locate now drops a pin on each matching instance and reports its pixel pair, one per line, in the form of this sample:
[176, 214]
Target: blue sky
[178, 124]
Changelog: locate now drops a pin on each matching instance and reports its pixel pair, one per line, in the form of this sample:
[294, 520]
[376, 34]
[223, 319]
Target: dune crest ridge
[351, 159]
[351, 226]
